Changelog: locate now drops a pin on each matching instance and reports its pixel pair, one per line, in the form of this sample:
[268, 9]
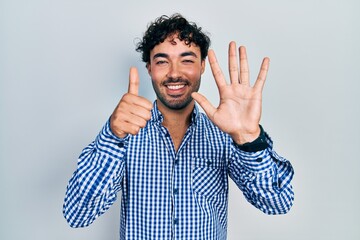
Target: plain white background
[64, 66]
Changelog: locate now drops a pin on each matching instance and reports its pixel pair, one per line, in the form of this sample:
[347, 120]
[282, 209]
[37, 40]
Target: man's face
[175, 69]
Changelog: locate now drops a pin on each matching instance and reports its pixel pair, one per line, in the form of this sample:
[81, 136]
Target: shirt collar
[157, 117]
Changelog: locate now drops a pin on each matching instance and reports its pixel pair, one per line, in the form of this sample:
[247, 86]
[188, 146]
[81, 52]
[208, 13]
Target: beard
[176, 102]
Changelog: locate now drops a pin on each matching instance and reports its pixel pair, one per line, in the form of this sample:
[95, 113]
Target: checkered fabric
[174, 195]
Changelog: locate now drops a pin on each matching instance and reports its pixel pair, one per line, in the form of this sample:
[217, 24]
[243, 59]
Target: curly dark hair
[164, 27]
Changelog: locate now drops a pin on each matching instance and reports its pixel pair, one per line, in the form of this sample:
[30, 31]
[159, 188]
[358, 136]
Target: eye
[160, 62]
[188, 61]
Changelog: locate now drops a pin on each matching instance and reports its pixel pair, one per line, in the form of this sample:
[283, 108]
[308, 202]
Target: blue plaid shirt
[174, 195]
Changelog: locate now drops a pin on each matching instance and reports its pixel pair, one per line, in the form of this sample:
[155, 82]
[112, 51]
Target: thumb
[133, 81]
[204, 103]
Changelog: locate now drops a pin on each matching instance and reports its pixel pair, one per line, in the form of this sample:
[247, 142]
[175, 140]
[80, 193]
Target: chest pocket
[209, 177]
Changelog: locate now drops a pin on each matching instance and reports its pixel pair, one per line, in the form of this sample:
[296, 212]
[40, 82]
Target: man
[172, 162]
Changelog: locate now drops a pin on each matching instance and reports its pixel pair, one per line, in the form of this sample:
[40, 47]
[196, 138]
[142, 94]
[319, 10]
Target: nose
[174, 71]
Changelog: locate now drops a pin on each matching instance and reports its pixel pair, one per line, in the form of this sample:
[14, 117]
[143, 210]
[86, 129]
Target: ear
[202, 66]
[148, 67]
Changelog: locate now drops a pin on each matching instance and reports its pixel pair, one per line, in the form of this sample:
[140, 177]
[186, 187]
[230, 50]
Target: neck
[176, 117]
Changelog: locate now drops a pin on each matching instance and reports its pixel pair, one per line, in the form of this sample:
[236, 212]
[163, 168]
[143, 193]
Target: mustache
[176, 80]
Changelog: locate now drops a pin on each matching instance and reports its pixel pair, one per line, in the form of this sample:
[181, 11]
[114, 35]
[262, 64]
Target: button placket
[175, 193]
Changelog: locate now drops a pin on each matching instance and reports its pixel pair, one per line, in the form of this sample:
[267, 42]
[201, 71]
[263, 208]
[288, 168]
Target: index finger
[133, 81]
[260, 81]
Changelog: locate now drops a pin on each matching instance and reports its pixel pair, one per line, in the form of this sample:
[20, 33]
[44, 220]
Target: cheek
[195, 75]
[193, 72]
[157, 73]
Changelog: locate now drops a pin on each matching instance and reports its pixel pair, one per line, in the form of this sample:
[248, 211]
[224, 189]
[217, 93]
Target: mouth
[175, 87]
[176, 90]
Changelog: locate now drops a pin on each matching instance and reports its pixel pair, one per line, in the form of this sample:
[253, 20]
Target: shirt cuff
[257, 155]
[109, 142]
[257, 145]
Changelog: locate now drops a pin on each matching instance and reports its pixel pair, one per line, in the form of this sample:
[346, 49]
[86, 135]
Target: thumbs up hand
[133, 111]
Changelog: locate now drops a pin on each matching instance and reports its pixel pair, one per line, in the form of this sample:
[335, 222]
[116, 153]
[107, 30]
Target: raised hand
[132, 112]
[239, 110]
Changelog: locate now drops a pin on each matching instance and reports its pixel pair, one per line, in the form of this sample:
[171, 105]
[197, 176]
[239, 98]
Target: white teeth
[174, 87]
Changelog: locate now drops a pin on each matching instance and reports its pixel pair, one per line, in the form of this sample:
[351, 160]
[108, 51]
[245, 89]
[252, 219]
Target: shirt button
[176, 191]
[209, 163]
[176, 221]
[120, 144]
[176, 162]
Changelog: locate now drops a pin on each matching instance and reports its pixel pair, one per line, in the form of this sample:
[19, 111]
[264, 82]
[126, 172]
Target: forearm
[265, 179]
[96, 181]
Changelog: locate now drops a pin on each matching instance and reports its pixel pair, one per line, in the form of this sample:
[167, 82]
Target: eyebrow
[184, 54]
[189, 53]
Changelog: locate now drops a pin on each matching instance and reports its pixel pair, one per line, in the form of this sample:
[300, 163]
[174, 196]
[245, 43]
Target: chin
[177, 105]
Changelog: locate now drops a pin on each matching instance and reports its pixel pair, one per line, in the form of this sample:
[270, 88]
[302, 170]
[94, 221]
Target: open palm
[239, 110]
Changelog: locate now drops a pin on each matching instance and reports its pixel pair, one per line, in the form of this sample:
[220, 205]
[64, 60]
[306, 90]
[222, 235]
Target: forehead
[173, 46]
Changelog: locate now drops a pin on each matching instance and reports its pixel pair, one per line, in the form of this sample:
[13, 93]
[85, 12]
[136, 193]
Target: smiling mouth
[175, 87]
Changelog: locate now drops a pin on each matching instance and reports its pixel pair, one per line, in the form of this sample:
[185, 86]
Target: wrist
[116, 131]
[243, 138]
[257, 144]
